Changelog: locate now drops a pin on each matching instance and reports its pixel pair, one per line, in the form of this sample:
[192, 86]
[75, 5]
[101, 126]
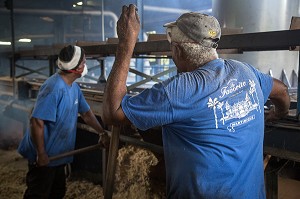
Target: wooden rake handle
[112, 161]
[77, 151]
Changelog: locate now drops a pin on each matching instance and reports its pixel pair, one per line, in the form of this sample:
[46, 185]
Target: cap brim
[170, 24]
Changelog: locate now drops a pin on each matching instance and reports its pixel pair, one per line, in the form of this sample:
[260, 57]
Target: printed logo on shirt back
[241, 111]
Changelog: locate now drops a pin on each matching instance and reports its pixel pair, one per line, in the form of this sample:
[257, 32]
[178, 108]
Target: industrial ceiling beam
[261, 41]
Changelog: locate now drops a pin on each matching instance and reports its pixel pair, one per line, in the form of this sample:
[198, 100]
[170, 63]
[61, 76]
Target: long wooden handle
[266, 161]
[74, 152]
[112, 161]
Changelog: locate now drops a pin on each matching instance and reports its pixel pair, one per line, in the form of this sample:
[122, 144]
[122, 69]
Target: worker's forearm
[128, 27]
[90, 119]
[116, 83]
[280, 98]
[37, 135]
[281, 106]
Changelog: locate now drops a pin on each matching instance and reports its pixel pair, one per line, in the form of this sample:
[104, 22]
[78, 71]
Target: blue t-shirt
[213, 127]
[58, 105]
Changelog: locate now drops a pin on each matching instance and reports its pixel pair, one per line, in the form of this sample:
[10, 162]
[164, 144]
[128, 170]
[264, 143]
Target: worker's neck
[69, 78]
[211, 58]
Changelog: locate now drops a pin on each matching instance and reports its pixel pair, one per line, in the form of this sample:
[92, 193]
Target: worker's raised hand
[128, 25]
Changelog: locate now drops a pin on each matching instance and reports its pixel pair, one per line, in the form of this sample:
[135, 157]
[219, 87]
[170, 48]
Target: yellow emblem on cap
[212, 33]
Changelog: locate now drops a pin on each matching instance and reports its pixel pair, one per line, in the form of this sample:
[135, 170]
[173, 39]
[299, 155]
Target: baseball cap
[201, 28]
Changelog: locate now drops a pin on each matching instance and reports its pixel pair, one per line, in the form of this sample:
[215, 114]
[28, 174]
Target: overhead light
[5, 43]
[48, 19]
[25, 40]
[80, 3]
[74, 6]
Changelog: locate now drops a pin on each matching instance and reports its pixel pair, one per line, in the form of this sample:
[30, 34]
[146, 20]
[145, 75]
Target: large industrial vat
[260, 16]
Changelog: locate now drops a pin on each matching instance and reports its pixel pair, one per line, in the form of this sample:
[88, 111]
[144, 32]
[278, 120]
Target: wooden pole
[266, 161]
[111, 164]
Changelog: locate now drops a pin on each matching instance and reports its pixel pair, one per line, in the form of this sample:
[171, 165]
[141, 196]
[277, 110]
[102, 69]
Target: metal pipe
[102, 20]
[68, 12]
[171, 10]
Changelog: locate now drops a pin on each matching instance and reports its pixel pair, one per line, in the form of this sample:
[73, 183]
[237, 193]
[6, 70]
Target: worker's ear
[177, 50]
[181, 52]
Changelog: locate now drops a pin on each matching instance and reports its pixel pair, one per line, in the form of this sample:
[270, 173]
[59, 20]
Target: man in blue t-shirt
[211, 112]
[53, 125]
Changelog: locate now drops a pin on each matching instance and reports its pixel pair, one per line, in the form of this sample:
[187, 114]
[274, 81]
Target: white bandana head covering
[68, 65]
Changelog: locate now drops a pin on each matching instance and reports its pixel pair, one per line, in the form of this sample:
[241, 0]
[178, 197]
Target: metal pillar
[52, 65]
[102, 78]
[10, 6]
[139, 62]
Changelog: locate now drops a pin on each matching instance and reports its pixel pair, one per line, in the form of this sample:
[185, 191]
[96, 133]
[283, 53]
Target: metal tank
[260, 16]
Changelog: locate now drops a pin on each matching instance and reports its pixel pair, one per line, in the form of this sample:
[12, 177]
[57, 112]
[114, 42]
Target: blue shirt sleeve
[265, 81]
[83, 105]
[45, 107]
[148, 109]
